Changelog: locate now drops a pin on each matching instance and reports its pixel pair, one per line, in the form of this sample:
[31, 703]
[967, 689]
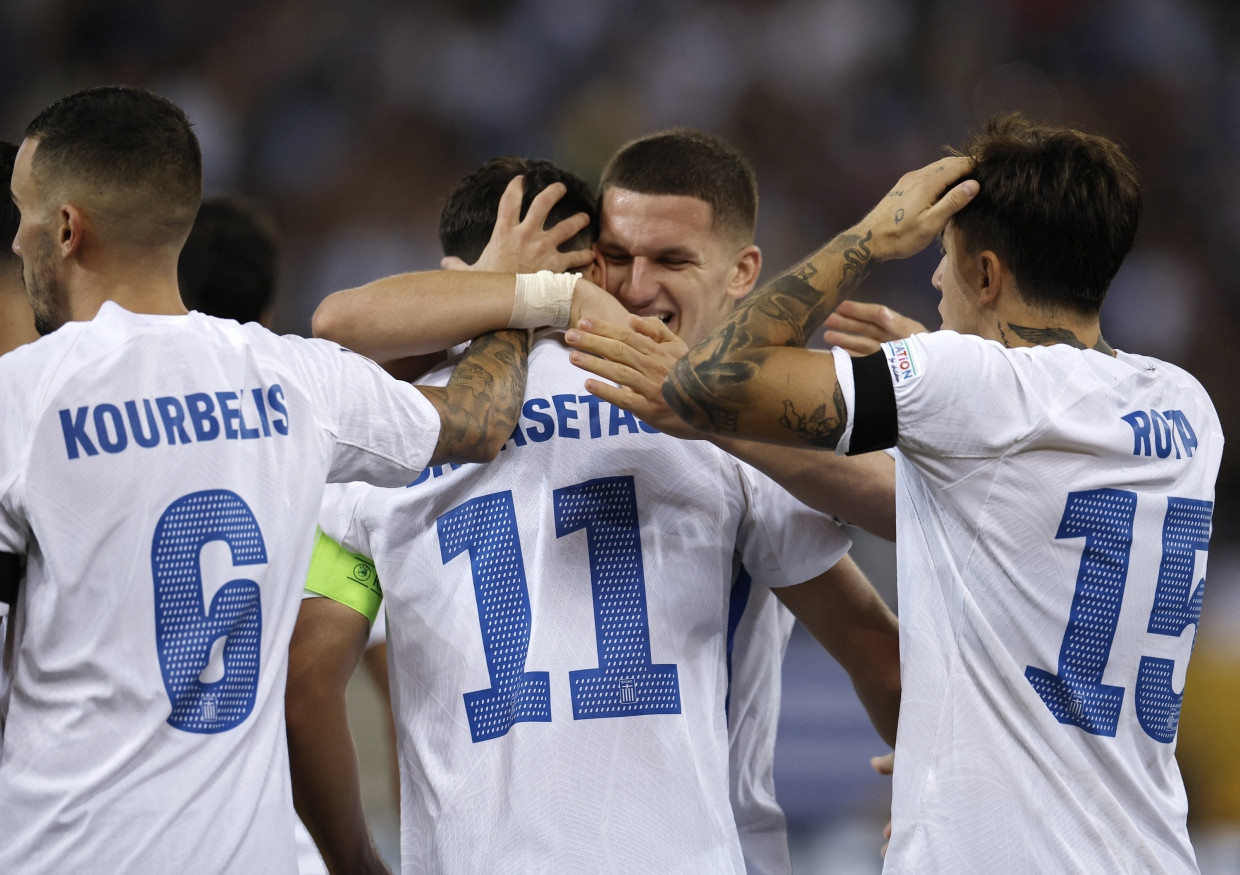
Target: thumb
[956, 199]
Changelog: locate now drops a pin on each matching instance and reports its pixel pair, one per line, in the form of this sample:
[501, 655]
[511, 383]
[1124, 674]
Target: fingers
[612, 348]
[854, 344]
[653, 327]
[859, 327]
[884, 764]
[605, 368]
[565, 229]
[540, 206]
[508, 213]
[953, 202]
[575, 259]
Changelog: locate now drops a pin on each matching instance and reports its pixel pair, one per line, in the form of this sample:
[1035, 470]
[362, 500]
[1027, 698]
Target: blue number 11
[626, 681]
[1076, 694]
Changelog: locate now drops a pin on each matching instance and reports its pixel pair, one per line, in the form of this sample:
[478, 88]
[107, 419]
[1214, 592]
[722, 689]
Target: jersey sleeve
[385, 430]
[782, 541]
[951, 395]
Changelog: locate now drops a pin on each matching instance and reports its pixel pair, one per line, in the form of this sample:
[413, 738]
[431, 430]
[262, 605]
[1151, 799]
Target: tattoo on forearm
[688, 395]
[482, 400]
[821, 427]
[856, 262]
[708, 388]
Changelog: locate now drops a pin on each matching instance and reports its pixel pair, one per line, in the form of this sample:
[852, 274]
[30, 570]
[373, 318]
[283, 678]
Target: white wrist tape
[542, 299]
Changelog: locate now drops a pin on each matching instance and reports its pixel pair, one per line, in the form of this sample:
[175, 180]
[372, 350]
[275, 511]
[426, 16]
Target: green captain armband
[344, 577]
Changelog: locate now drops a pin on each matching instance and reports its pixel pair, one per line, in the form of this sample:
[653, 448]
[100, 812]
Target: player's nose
[642, 286]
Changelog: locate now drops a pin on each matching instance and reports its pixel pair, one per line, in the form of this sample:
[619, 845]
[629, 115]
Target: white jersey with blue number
[1053, 518]
[557, 624]
[163, 474]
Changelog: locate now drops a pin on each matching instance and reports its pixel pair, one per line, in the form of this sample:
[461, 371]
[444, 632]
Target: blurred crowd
[349, 123]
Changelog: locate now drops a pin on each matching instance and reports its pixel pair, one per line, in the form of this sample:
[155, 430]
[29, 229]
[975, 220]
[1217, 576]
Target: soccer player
[584, 584]
[161, 471]
[678, 210]
[1054, 503]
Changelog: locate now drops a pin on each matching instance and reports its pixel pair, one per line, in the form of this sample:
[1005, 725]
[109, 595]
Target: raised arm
[416, 314]
[752, 378]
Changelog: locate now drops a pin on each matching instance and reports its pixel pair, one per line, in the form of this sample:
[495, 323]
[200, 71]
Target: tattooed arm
[751, 377]
[479, 407]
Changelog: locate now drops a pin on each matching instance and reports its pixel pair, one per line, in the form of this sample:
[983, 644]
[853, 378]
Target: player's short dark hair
[119, 140]
[469, 213]
[228, 265]
[10, 216]
[691, 163]
[1058, 206]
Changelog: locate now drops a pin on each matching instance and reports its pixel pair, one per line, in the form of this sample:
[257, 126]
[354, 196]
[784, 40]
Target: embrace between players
[583, 635]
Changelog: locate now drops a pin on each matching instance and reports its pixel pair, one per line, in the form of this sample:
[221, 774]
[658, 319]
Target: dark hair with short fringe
[228, 265]
[1058, 206]
[690, 163]
[468, 216]
[127, 141]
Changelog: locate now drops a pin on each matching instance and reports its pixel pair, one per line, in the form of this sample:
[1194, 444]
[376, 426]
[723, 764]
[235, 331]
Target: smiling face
[663, 258]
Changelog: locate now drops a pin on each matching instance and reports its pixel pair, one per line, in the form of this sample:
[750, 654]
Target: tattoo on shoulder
[821, 427]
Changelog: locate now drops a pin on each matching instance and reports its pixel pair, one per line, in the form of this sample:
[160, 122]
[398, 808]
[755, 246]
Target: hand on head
[917, 209]
[522, 245]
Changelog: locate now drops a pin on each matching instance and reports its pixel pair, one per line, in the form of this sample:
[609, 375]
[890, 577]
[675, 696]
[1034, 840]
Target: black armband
[10, 577]
[874, 419]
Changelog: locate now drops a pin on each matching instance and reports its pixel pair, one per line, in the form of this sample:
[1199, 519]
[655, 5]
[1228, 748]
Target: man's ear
[991, 277]
[745, 271]
[71, 231]
[599, 267]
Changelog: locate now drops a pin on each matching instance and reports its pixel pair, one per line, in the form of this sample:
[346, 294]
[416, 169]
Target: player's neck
[142, 288]
[1025, 326]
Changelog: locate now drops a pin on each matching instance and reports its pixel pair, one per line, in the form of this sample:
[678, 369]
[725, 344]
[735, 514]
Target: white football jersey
[758, 642]
[557, 627]
[1053, 517]
[163, 474]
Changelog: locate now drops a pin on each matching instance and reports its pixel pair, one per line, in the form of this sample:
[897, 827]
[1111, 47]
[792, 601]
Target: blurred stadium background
[350, 122]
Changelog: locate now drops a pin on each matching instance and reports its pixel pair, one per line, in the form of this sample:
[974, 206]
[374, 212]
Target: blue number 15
[1075, 694]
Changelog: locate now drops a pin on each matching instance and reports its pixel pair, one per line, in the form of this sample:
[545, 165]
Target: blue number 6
[184, 632]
